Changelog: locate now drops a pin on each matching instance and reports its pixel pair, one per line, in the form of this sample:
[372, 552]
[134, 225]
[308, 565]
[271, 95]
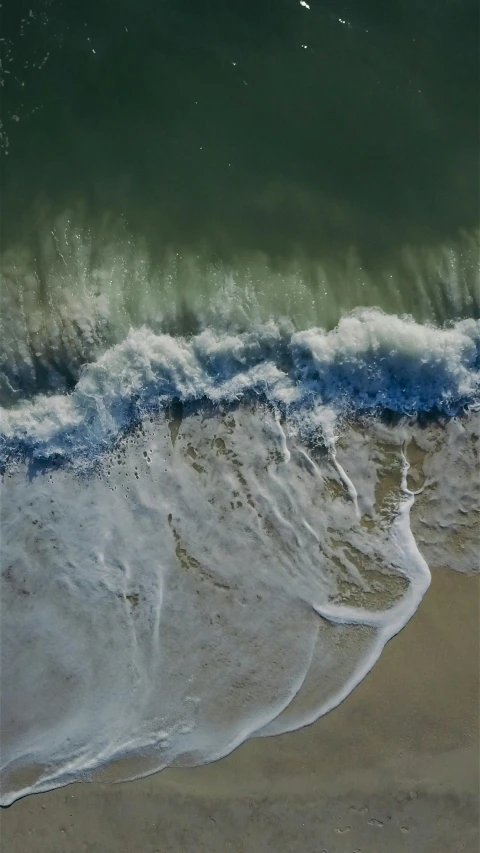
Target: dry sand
[394, 769]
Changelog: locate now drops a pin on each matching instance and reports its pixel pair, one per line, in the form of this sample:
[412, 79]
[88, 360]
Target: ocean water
[239, 365]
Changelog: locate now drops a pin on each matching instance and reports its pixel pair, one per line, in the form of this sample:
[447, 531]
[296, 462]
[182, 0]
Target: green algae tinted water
[281, 127]
[183, 163]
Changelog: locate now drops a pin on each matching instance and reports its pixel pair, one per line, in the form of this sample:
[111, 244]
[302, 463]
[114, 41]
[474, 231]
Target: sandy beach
[394, 769]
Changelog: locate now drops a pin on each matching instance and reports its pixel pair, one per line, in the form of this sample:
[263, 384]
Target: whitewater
[211, 530]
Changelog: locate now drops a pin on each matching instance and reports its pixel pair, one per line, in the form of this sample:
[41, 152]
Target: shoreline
[394, 767]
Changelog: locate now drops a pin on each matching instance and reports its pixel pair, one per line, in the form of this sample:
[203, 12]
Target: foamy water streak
[175, 605]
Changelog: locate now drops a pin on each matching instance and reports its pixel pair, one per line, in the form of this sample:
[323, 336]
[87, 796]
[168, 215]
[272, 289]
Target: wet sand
[394, 769]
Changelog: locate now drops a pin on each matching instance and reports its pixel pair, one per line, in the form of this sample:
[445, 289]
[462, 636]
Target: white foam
[370, 360]
[177, 604]
[77, 293]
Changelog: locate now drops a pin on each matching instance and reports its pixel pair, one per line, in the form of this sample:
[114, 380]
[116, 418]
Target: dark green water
[245, 126]
[187, 163]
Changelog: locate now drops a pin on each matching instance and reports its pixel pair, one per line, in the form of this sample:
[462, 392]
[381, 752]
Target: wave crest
[370, 361]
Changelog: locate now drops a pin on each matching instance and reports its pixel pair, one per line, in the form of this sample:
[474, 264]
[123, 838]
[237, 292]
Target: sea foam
[215, 579]
[370, 361]
[198, 549]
